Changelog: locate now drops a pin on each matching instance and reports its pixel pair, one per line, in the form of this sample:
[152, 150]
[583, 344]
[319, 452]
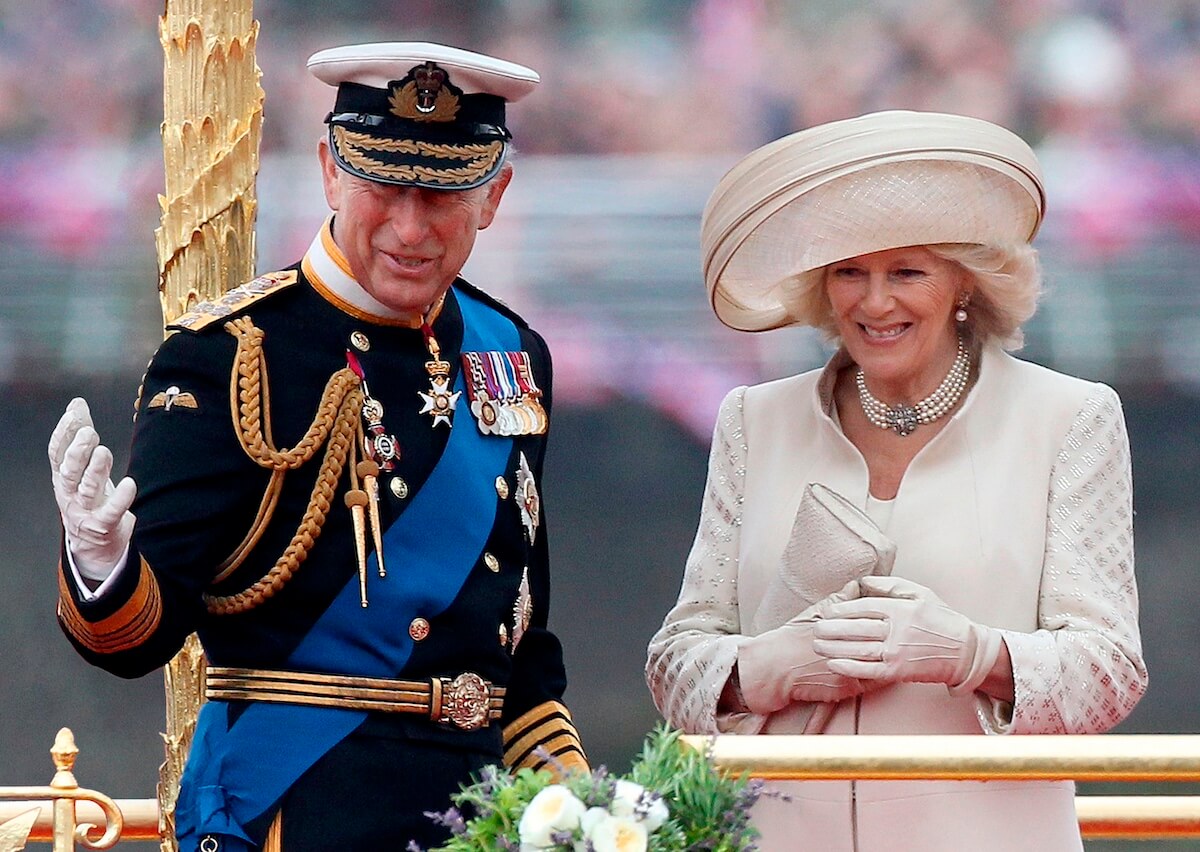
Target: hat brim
[379, 63]
[415, 162]
[854, 187]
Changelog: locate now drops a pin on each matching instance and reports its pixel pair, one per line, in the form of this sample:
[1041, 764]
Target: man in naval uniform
[336, 469]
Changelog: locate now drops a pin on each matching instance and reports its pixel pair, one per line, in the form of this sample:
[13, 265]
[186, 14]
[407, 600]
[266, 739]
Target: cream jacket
[1018, 514]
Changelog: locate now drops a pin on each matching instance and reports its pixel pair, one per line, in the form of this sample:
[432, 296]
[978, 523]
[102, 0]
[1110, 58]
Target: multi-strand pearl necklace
[904, 419]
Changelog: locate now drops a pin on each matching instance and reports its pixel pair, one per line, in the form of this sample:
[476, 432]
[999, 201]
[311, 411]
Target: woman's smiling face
[894, 313]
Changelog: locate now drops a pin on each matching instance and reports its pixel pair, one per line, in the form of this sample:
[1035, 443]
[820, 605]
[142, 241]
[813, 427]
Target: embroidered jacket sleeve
[197, 493]
[1082, 671]
[538, 730]
[691, 656]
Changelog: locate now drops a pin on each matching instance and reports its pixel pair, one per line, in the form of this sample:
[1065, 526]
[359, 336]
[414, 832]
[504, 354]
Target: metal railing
[64, 814]
[1109, 757]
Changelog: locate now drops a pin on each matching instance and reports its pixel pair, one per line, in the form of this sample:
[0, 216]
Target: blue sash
[235, 773]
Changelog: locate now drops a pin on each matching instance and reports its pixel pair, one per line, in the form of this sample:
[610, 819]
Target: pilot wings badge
[172, 396]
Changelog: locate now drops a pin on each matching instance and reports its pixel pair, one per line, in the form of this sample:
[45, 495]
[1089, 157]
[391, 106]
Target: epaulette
[492, 302]
[235, 300]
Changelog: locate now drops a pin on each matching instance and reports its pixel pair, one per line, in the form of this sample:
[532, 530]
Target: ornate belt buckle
[465, 701]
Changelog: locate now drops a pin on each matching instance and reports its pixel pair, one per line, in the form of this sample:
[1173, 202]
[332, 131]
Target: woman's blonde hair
[1007, 283]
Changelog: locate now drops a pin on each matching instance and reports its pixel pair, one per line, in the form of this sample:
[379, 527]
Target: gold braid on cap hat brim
[355, 149]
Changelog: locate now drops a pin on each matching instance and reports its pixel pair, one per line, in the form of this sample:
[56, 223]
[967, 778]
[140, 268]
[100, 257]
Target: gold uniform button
[502, 487]
[418, 629]
[399, 487]
[491, 562]
[360, 341]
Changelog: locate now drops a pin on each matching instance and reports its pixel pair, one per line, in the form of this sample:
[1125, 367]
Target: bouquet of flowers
[673, 799]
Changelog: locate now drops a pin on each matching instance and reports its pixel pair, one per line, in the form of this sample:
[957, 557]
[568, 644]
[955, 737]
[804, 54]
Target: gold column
[212, 125]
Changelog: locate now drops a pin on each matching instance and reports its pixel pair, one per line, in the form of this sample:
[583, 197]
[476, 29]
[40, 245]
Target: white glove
[780, 667]
[95, 513]
[900, 631]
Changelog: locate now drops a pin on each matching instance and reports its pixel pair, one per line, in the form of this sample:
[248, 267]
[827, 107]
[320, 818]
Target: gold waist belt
[466, 701]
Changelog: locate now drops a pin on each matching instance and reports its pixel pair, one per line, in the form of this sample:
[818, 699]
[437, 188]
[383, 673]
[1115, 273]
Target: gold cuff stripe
[516, 750]
[127, 628]
[553, 739]
[536, 716]
[564, 761]
[547, 726]
[559, 744]
[531, 719]
[574, 759]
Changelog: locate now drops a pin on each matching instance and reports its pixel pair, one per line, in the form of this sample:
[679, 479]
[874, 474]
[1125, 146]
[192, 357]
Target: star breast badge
[528, 499]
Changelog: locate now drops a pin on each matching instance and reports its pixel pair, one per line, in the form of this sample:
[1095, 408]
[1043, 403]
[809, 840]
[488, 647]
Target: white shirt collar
[329, 272]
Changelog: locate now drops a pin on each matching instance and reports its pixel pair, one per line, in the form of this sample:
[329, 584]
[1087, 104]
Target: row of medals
[522, 417]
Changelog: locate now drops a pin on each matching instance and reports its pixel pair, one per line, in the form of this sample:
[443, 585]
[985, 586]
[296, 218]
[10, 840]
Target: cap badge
[425, 95]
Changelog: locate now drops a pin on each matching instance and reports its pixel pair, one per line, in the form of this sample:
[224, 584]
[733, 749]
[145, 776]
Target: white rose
[591, 819]
[587, 825]
[553, 809]
[656, 813]
[626, 798]
[632, 800]
[618, 834]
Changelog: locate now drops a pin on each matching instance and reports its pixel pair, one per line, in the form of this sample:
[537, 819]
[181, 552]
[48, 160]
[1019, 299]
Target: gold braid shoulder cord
[337, 424]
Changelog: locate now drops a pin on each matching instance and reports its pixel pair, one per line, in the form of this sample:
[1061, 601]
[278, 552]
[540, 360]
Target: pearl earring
[961, 313]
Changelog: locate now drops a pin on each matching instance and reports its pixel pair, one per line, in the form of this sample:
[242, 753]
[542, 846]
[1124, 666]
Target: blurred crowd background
[642, 108]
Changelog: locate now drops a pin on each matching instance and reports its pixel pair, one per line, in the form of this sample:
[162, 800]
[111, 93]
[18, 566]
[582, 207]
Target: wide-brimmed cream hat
[861, 185]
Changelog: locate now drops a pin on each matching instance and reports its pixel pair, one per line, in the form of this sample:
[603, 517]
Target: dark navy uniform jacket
[199, 493]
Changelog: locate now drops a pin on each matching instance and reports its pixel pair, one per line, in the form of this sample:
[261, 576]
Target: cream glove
[832, 542]
[899, 630]
[95, 513]
[780, 666]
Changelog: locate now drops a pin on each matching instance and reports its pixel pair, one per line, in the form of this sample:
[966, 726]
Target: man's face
[405, 244]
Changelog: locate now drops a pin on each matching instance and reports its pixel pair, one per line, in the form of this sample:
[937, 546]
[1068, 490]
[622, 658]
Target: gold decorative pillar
[212, 124]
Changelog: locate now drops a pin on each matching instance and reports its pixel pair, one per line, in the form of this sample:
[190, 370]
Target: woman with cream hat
[926, 536]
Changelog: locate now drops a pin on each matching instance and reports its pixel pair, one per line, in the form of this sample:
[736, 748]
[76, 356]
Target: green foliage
[707, 809]
[495, 802]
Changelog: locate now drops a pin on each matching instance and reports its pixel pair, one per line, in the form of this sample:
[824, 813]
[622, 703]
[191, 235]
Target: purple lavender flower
[451, 818]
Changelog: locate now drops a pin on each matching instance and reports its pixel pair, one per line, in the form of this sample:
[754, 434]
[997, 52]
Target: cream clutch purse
[832, 542]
